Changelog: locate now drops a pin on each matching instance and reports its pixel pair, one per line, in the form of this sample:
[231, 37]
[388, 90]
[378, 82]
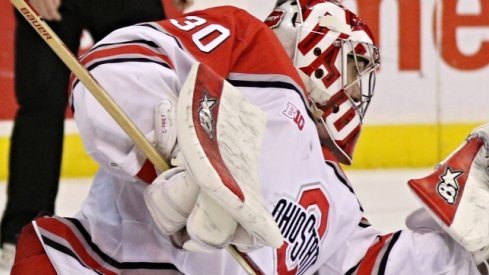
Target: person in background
[41, 81]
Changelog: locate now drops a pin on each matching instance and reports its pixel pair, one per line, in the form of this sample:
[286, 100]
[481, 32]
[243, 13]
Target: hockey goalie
[246, 101]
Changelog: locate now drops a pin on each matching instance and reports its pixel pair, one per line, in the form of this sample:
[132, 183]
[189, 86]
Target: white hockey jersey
[311, 200]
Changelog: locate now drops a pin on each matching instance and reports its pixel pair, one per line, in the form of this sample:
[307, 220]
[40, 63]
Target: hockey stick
[90, 83]
[110, 106]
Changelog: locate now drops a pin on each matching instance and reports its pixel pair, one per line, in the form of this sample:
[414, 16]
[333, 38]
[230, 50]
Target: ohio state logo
[303, 224]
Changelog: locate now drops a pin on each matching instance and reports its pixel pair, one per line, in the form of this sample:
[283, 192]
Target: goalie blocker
[456, 194]
[219, 135]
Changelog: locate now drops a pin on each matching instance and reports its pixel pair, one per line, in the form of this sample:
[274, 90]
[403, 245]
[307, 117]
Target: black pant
[41, 82]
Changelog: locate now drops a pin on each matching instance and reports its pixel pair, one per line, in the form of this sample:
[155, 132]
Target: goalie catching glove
[456, 194]
[214, 195]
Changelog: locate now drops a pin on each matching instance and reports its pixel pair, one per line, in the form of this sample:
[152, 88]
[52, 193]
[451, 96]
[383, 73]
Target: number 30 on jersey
[218, 32]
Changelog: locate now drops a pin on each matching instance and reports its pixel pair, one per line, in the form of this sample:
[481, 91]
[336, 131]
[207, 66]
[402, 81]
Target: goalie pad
[219, 133]
[456, 194]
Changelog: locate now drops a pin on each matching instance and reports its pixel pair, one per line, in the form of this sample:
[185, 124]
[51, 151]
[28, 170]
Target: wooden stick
[110, 106]
[90, 83]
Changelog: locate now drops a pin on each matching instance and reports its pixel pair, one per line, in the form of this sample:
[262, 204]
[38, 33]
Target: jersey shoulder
[229, 39]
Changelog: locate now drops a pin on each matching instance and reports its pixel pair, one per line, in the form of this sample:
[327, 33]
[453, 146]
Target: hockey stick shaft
[90, 83]
[57, 45]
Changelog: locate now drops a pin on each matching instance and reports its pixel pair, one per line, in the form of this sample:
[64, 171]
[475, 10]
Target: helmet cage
[340, 113]
[365, 56]
[328, 39]
[365, 66]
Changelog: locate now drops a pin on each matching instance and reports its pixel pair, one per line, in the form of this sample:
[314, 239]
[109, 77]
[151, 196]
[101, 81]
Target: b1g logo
[303, 223]
[292, 112]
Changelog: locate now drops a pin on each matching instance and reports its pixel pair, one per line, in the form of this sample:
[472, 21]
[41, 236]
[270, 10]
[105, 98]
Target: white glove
[193, 219]
[209, 226]
[170, 198]
[220, 156]
[456, 194]
[220, 135]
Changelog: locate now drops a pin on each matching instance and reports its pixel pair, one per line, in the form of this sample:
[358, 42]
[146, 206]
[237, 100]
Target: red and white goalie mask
[336, 50]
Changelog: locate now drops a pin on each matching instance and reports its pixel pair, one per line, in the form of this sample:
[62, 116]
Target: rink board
[392, 146]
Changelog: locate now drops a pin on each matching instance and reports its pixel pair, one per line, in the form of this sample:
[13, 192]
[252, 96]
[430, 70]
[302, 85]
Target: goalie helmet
[336, 50]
